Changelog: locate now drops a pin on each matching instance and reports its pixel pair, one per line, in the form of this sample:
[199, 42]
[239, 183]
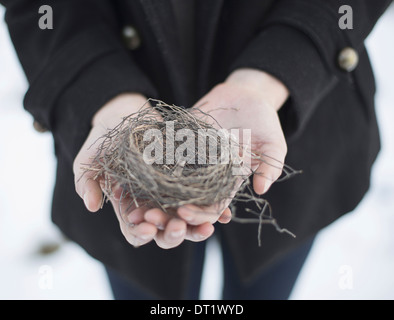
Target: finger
[263, 178]
[157, 217]
[90, 192]
[195, 215]
[200, 232]
[92, 195]
[85, 185]
[88, 189]
[118, 192]
[127, 213]
[133, 225]
[173, 235]
[269, 168]
[140, 234]
[225, 217]
[136, 216]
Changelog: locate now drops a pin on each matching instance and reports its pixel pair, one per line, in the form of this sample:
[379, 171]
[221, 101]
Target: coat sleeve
[299, 43]
[74, 68]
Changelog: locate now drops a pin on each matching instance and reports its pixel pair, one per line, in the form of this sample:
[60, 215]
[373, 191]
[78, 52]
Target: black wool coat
[329, 119]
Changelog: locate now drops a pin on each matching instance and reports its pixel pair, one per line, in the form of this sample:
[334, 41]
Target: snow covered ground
[352, 259]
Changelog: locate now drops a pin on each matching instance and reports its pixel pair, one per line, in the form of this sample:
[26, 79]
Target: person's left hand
[249, 99]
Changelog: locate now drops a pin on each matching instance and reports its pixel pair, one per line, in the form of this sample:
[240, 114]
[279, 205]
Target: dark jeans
[275, 283]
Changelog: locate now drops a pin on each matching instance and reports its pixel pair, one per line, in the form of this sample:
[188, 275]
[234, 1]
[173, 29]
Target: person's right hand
[144, 224]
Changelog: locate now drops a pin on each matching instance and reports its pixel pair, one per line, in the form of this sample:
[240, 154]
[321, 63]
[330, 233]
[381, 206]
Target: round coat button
[131, 37]
[39, 127]
[348, 59]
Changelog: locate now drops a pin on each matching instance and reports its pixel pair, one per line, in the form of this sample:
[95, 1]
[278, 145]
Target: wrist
[273, 90]
[118, 107]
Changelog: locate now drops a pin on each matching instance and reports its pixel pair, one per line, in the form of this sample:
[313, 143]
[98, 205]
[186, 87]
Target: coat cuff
[77, 81]
[291, 56]
[98, 82]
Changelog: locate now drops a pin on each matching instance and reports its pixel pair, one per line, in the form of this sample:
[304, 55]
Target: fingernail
[187, 214]
[198, 236]
[188, 217]
[267, 185]
[145, 236]
[177, 234]
[86, 200]
[159, 226]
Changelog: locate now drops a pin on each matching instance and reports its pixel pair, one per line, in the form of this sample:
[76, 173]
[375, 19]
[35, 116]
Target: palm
[237, 107]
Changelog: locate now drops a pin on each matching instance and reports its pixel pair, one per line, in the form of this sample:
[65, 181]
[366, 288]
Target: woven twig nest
[174, 160]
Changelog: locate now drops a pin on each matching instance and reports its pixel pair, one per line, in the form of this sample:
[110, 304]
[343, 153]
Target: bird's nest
[165, 156]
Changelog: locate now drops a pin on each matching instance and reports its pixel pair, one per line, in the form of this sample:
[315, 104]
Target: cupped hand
[249, 99]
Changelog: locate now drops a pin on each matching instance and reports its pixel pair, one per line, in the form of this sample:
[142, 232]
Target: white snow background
[352, 259]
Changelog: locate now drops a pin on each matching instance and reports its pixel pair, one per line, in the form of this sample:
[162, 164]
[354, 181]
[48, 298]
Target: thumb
[91, 194]
[269, 169]
[86, 186]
